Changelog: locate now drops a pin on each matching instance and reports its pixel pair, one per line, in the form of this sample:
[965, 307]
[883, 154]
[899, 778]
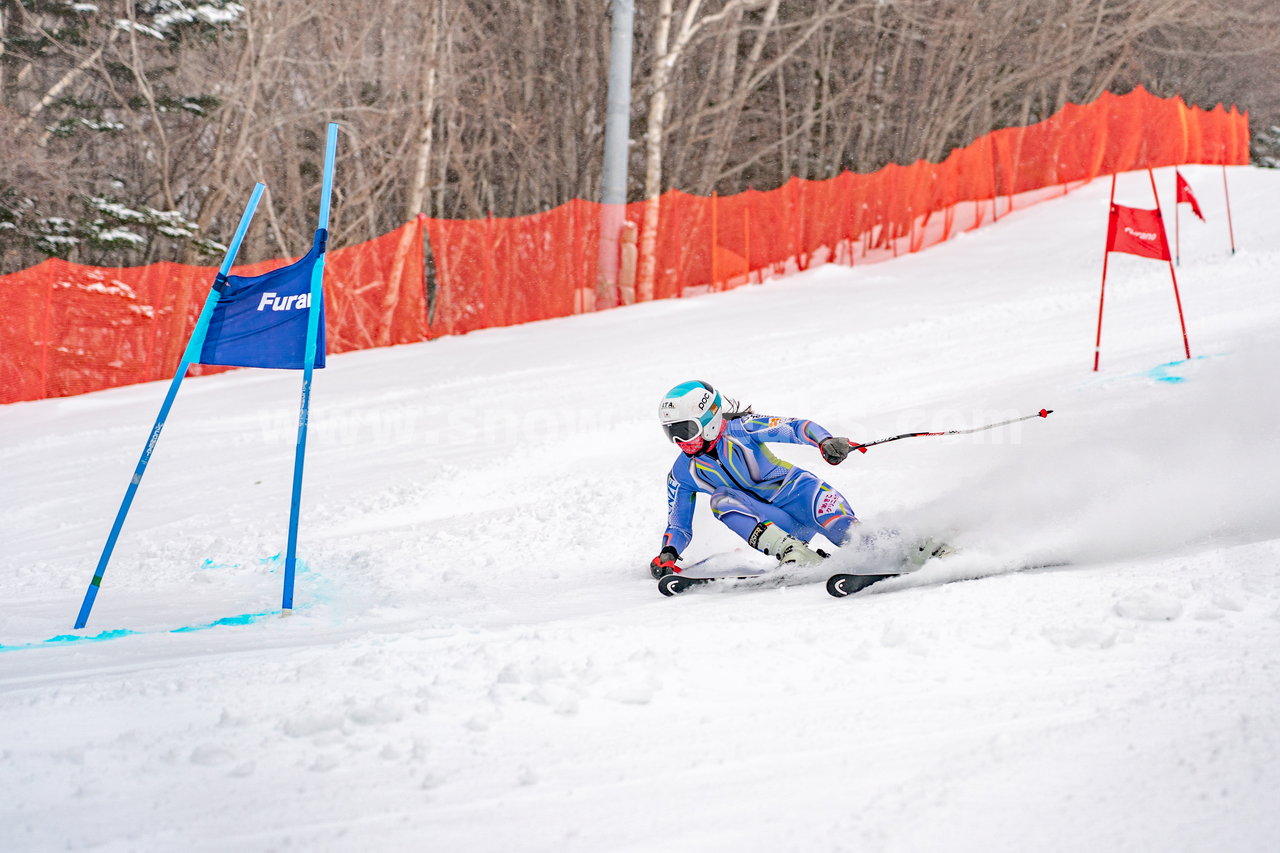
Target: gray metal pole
[617, 135]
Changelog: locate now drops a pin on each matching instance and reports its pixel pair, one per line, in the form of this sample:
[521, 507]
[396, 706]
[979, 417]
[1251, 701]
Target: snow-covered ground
[480, 661]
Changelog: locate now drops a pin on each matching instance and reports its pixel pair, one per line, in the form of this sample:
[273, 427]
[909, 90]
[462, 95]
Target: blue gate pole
[192, 353]
[308, 363]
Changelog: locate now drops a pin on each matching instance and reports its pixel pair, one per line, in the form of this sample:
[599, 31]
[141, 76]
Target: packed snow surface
[479, 660]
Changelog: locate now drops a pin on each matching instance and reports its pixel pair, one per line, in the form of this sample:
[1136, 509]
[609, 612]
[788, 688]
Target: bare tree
[133, 130]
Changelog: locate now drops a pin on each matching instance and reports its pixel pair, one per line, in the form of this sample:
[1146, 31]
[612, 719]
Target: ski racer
[776, 507]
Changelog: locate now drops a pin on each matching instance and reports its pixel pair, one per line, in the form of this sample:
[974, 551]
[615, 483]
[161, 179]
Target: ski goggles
[678, 431]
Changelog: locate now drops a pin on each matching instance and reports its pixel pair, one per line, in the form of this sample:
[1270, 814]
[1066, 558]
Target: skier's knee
[833, 514]
[840, 528]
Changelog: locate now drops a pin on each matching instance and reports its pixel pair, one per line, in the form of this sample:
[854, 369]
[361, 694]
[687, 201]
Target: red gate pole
[1177, 225]
[1106, 254]
[1230, 230]
[1176, 296]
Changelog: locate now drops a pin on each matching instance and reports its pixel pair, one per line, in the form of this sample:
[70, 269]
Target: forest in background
[132, 131]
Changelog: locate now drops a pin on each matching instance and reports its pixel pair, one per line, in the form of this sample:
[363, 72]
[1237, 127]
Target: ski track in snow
[479, 660]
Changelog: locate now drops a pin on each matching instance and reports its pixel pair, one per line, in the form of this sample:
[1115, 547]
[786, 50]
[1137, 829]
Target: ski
[670, 585]
[843, 585]
[838, 585]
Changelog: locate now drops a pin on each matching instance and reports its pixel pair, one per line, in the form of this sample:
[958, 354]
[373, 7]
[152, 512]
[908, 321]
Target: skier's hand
[835, 449]
[665, 563]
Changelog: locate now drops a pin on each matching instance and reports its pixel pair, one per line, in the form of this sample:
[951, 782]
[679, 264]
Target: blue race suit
[749, 485]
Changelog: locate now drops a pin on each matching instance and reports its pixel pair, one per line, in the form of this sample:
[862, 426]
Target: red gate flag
[1185, 195]
[1138, 232]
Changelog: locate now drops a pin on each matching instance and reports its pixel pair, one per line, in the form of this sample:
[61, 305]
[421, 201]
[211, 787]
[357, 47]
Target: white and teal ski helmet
[691, 409]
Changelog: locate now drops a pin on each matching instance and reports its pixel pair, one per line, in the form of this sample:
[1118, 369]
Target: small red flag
[1138, 232]
[1185, 195]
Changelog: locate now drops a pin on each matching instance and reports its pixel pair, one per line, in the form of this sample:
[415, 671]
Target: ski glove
[835, 449]
[665, 563]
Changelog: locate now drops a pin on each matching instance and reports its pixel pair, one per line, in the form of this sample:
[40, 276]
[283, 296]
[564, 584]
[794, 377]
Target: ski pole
[862, 448]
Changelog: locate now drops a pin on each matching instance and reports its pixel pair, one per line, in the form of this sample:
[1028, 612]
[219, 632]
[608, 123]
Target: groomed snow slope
[480, 662]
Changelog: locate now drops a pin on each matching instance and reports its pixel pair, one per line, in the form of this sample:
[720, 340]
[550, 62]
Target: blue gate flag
[261, 320]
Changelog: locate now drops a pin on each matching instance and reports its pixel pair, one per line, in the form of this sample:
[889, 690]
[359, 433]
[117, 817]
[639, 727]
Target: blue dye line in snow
[1167, 372]
[63, 639]
[1170, 372]
[242, 619]
[210, 564]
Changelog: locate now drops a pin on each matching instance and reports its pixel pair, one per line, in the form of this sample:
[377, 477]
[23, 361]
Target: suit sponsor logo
[276, 302]
[829, 503]
[1141, 235]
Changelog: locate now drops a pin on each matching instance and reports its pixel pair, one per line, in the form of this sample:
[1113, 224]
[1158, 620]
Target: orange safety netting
[68, 329]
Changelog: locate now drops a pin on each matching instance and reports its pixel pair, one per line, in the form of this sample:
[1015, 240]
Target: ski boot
[789, 551]
[925, 549]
